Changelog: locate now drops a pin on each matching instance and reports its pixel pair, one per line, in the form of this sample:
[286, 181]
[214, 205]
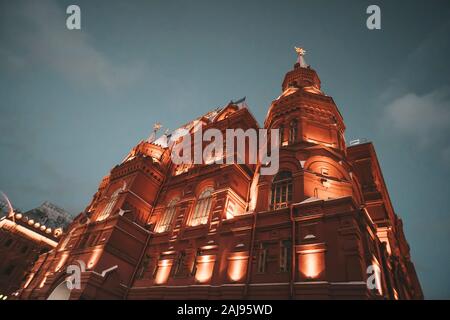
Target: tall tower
[312, 139]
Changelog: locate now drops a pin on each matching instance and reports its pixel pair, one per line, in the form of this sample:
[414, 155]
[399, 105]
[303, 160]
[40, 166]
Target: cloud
[417, 97]
[425, 118]
[422, 116]
[422, 67]
[37, 36]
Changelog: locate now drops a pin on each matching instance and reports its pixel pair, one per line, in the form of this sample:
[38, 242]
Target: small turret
[302, 75]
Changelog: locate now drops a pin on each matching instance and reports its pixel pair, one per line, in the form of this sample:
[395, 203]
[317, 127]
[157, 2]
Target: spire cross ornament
[157, 126]
[300, 51]
[300, 60]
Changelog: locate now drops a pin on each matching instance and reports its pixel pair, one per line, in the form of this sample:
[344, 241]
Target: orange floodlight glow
[163, 273]
[94, 258]
[237, 266]
[311, 263]
[205, 267]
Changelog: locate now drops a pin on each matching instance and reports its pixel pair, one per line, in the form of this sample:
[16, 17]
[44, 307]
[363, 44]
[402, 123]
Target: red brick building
[155, 230]
[25, 236]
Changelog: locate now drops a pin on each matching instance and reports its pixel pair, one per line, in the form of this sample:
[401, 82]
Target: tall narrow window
[262, 257]
[167, 217]
[293, 130]
[144, 266]
[109, 206]
[194, 264]
[281, 133]
[179, 263]
[202, 208]
[282, 190]
[156, 268]
[285, 255]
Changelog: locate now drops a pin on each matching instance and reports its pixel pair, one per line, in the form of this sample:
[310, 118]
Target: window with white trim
[281, 190]
[167, 218]
[200, 214]
[285, 255]
[110, 206]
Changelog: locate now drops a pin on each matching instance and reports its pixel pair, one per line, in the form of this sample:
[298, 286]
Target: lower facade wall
[276, 291]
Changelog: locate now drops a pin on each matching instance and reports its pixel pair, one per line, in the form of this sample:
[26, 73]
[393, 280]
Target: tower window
[293, 130]
[282, 190]
[202, 208]
[110, 206]
[281, 133]
[167, 217]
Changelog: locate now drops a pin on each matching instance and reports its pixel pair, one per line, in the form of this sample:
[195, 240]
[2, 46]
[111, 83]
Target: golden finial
[300, 51]
[300, 57]
[157, 126]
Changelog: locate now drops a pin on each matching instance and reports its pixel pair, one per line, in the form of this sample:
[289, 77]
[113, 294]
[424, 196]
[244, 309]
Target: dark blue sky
[72, 103]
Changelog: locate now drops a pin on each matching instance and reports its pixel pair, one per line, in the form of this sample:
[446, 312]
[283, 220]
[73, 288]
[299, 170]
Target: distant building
[23, 237]
[318, 228]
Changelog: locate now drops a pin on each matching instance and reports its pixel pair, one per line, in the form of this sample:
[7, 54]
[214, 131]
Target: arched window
[282, 190]
[293, 130]
[202, 208]
[110, 206]
[166, 220]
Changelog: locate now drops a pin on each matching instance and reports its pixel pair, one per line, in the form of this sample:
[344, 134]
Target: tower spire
[156, 127]
[300, 57]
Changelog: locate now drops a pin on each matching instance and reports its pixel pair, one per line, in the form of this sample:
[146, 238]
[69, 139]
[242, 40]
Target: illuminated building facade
[23, 237]
[155, 230]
